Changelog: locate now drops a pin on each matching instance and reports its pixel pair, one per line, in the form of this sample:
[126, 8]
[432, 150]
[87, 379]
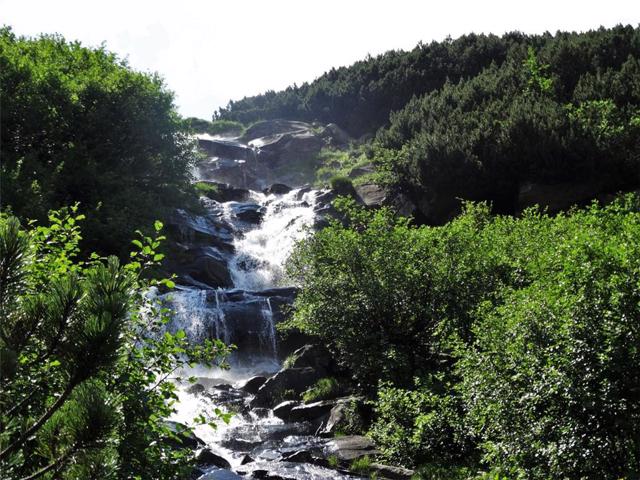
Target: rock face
[282, 410]
[295, 380]
[205, 457]
[201, 266]
[311, 411]
[371, 195]
[345, 412]
[253, 384]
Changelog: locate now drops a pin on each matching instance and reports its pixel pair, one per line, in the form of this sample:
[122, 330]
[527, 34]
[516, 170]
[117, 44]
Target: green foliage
[206, 188]
[551, 377]
[422, 426]
[537, 72]
[217, 127]
[502, 342]
[323, 389]
[341, 185]
[84, 361]
[78, 125]
[361, 465]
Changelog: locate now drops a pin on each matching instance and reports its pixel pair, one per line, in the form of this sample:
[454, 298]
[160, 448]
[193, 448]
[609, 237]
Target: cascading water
[245, 315]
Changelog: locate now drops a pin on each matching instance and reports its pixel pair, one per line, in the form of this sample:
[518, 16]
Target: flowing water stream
[245, 315]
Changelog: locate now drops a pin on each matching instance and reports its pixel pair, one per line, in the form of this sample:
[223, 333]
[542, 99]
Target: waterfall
[243, 314]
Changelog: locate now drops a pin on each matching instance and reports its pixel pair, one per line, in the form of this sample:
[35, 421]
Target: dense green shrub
[552, 379]
[78, 125]
[341, 185]
[521, 334]
[422, 426]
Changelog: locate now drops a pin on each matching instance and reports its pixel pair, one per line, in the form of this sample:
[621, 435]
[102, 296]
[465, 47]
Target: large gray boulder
[389, 472]
[201, 265]
[345, 415]
[351, 447]
[370, 194]
[288, 380]
[309, 412]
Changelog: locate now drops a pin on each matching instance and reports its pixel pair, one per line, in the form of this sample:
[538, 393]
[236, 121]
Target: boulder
[224, 192]
[204, 265]
[314, 356]
[295, 380]
[221, 474]
[341, 417]
[196, 389]
[226, 149]
[391, 473]
[253, 384]
[205, 457]
[267, 128]
[248, 212]
[335, 136]
[282, 410]
[370, 194]
[311, 411]
[360, 171]
[348, 448]
[277, 189]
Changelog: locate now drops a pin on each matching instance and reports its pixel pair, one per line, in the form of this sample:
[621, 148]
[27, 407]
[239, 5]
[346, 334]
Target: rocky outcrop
[201, 266]
[205, 457]
[389, 472]
[282, 410]
[293, 380]
[309, 412]
[277, 189]
[223, 192]
[252, 385]
[371, 195]
[346, 413]
[351, 447]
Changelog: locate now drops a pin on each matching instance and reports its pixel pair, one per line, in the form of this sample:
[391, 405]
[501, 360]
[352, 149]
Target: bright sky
[212, 51]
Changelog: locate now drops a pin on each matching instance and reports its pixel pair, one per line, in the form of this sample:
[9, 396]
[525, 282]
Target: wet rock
[303, 456]
[253, 384]
[311, 411]
[261, 412]
[246, 459]
[277, 189]
[221, 475]
[196, 389]
[225, 149]
[294, 380]
[223, 192]
[206, 230]
[282, 410]
[204, 265]
[348, 448]
[391, 473]
[248, 212]
[205, 457]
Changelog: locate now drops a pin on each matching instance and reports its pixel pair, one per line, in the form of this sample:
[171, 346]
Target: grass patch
[323, 389]
[361, 465]
[206, 188]
[217, 127]
[333, 461]
[289, 361]
[332, 162]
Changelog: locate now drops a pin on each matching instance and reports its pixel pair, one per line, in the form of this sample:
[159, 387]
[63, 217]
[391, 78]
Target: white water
[261, 252]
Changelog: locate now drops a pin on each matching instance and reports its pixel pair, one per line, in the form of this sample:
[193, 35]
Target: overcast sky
[212, 51]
